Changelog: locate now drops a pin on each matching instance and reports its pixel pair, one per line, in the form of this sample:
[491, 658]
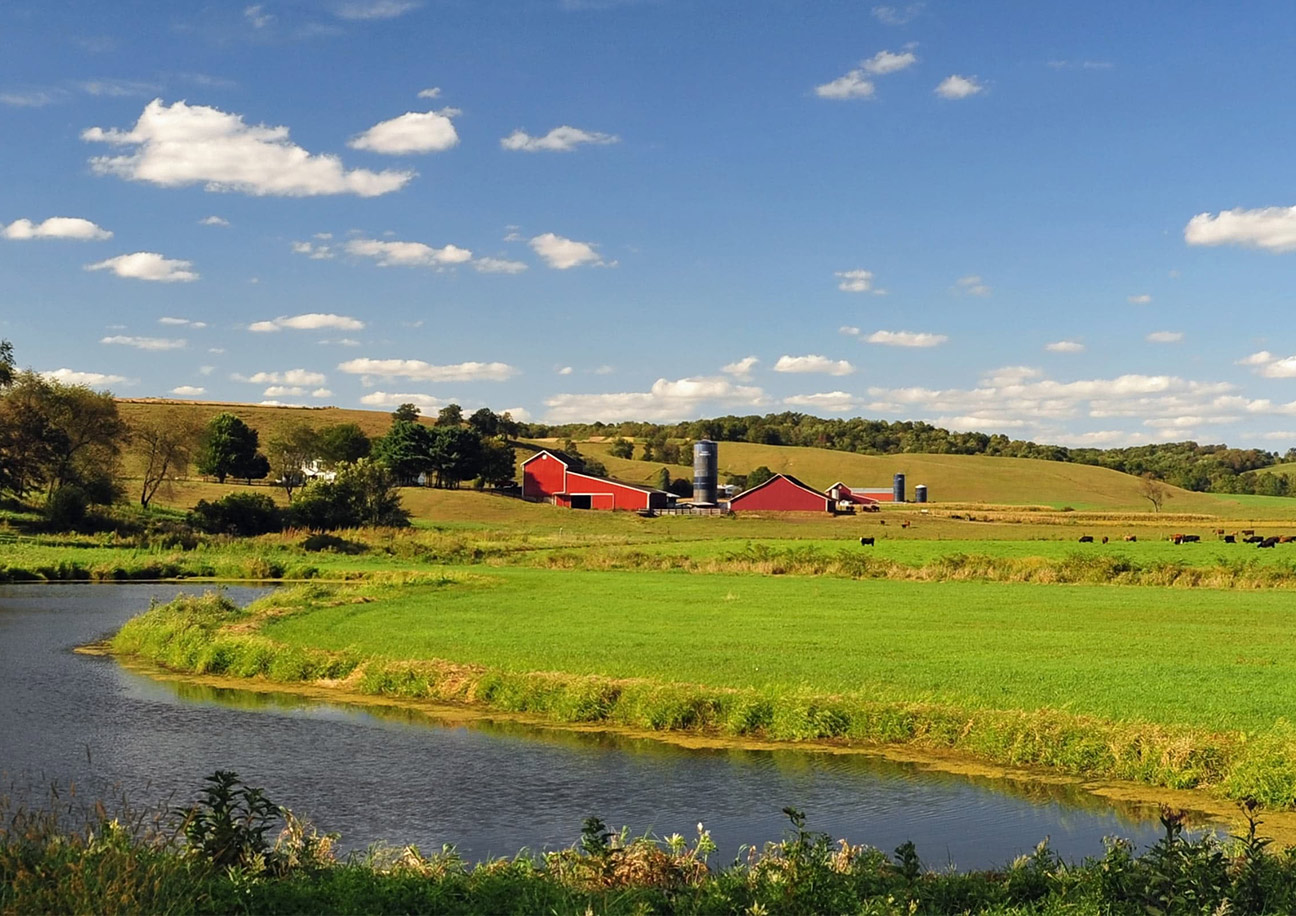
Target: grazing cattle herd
[1244, 536]
[1247, 536]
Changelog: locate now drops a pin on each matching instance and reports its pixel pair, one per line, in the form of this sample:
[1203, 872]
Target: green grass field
[1093, 650]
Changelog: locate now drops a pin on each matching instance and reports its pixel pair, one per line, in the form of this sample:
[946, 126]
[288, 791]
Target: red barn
[864, 497]
[547, 476]
[782, 493]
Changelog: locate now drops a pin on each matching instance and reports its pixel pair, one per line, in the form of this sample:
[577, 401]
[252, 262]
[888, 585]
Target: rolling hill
[949, 478]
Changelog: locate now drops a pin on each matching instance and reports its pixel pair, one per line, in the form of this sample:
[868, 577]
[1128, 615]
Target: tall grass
[109, 864]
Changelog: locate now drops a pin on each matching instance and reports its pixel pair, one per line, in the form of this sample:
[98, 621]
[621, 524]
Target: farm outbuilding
[782, 493]
[858, 496]
[547, 475]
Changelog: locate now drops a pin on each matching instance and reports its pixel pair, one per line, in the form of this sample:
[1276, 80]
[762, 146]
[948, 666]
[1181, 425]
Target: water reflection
[385, 773]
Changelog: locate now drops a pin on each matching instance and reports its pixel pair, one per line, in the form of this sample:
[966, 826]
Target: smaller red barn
[863, 498]
[782, 493]
[547, 475]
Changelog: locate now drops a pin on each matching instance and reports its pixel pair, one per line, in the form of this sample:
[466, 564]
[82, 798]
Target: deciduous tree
[1154, 491]
[289, 451]
[228, 448]
[343, 442]
[406, 450]
[163, 442]
[450, 415]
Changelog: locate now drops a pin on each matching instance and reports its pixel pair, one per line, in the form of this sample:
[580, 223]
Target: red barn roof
[782, 493]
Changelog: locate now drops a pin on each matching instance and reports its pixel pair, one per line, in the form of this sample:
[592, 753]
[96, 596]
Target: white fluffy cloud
[180, 145]
[972, 285]
[741, 369]
[418, 370]
[89, 379]
[188, 391]
[667, 400]
[181, 322]
[831, 401]
[1270, 228]
[1065, 346]
[213, 221]
[562, 139]
[314, 251]
[146, 343]
[408, 254]
[432, 92]
[412, 132]
[1019, 398]
[294, 377]
[498, 266]
[856, 281]
[906, 339]
[1140, 299]
[813, 363]
[884, 62]
[561, 254]
[1270, 366]
[958, 87]
[56, 227]
[854, 85]
[1165, 337]
[148, 265]
[424, 402]
[311, 321]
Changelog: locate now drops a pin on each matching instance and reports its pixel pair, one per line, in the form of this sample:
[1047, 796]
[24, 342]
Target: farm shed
[782, 493]
[860, 496]
[547, 475]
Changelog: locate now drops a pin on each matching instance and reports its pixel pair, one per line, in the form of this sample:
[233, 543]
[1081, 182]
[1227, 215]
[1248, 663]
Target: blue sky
[1069, 223]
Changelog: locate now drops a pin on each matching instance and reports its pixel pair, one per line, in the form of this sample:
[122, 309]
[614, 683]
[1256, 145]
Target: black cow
[1230, 539]
[1191, 538]
[1268, 542]
[866, 542]
[1086, 539]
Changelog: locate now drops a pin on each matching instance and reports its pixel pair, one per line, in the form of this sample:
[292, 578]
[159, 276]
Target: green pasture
[1204, 658]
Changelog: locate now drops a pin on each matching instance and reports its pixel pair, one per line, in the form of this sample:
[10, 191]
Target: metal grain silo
[897, 488]
[705, 473]
[920, 493]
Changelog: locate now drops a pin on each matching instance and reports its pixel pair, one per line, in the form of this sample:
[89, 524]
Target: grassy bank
[1184, 689]
[234, 851]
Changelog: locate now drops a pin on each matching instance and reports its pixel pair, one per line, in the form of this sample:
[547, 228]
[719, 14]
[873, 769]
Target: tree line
[1206, 468]
[62, 449]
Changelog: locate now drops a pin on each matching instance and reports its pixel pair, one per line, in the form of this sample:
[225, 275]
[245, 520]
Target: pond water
[491, 788]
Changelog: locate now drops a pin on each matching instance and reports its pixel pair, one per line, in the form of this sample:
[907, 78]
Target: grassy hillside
[265, 420]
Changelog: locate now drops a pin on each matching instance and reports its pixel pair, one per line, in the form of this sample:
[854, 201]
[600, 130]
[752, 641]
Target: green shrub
[241, 514]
